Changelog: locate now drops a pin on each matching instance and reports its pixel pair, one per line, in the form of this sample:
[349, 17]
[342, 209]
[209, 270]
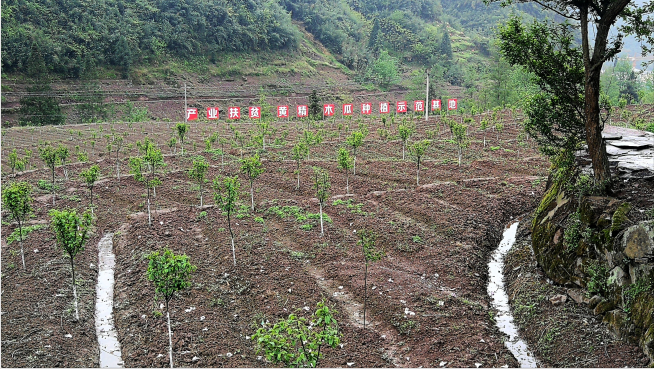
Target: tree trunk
[347, 182]
[418, 175]
[200, 195]
[354, 172]
[53, 188]
[229, 223]
[460, 156]
[596, 144]
[91, 200]
[149, 214]
[365, 294]
[170, 336]
[252, 195]
[20, 239]
[72, 270]
[403, 144]
[322, 231]
[298, 175]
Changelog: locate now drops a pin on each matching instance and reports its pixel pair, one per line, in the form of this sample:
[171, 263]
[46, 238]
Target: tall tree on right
[596, 16]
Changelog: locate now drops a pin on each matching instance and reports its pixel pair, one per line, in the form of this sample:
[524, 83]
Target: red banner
[384, 108]
[212, 113]
[254, 112]
[419, 105]
[282, 111]
[366, 108]
[191, 114]
[452, 104]
[302, 111]
[234, 112]
[328, 110]
[435, 105]
[401, 107]
[347, 109]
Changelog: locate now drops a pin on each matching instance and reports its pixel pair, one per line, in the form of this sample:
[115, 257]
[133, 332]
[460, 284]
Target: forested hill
[75, 36]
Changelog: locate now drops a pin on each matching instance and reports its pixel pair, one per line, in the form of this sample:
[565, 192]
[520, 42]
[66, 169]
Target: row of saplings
[295, 341]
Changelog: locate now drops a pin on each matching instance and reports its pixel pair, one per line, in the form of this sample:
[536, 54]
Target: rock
[638, 241]
[610, 136]
[167, 234]
[557, 300]
[617, 277]
[557, 236]
[578, 296]
[603, 306]
[631, 144]
[617, 323]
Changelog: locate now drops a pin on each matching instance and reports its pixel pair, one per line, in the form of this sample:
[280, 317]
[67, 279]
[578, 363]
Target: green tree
[50, 157]
[315, 110]
[71, 231]
[345, 162]
[311, 139]
[300, 150]
[252, 168]
[446, 44]
[198, 172]
[13, 160]
[182, 130]
[148, 162]
[384, 70]
[115, 144]
[226, 198]
[297, 341]
[91, 175]
[367, 241]
[17, 199]
[170, 274]
[322, 186]
[355, 140]
[599, 16]
[418, 151]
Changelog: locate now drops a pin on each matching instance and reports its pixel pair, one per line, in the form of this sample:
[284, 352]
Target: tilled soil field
[427, 301]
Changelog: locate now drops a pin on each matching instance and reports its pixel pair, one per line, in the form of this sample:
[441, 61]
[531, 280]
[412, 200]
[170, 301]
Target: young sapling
[367, 240]
[182, 130]
[50, 156]
[198, 172]
[91, 175]
[322, 186]
[170, 274]
[71, 231]
[226, 198]
[16, 197]
[345, 163]
[417, 150]
[252, 168]
[300, 150]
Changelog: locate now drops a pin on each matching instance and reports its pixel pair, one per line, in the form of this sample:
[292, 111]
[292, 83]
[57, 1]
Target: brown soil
[437, 239]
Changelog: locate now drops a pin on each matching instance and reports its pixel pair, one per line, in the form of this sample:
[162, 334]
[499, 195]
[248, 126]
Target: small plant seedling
[297, 341]
[345, 162]
[198, 172]
[63, 154]
[226, 198]
[16, 197]
[71, 231]
[91, 175]
[405, 131]
[170, 273]
[252, 169]
[367, 240]
[322, 186]
[300, 150]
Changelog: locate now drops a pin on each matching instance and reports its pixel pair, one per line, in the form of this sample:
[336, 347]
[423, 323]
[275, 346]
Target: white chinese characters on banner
[328, 110]
[435, 105]
[452, 104]
[347, 109]
[366, 108]
[282, 111]
[212, 113]
[419, 105]
[384, 108]
[401, 107]
[191, 114]
[255, 112]
[302, 111]
[234, 112]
